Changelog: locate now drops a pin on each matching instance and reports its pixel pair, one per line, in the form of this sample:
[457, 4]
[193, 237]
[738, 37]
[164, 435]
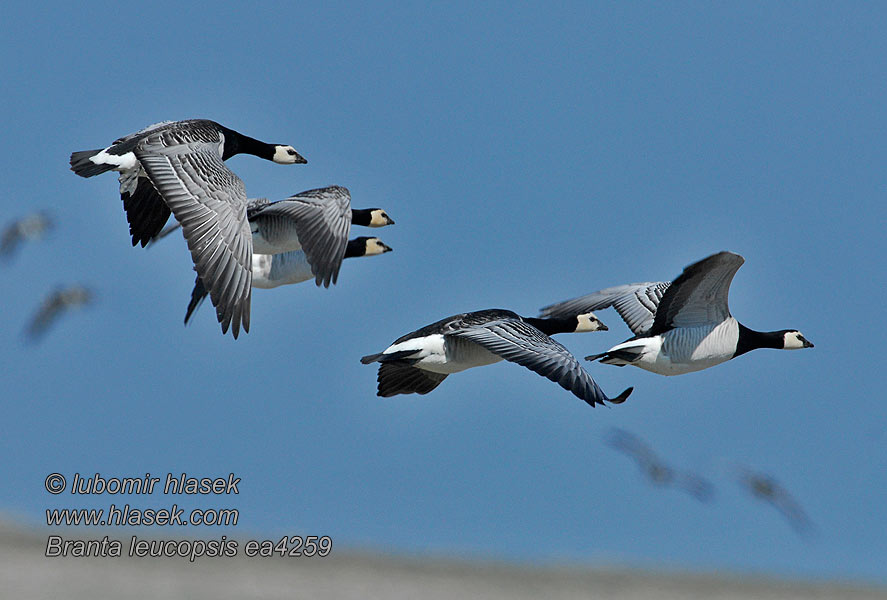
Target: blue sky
[528, 154]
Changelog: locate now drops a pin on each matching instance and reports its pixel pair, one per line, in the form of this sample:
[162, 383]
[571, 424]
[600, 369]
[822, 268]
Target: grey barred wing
[321, 219]
[519, 342]
[209, 201]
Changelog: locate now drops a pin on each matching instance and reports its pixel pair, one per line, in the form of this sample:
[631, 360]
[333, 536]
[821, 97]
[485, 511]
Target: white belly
[685, 350]
[273, 270]
[438, 354]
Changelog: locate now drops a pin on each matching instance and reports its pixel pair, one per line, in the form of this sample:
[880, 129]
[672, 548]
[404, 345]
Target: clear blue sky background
[528, 154]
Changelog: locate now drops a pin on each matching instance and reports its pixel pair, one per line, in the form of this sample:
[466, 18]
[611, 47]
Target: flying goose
[30, 227]
[764, 487]
[419, 361]
[321, 217]
[146, 211]
[682, 326]
[654, 469]
[54, 305]
[210, 202]
[285, 268]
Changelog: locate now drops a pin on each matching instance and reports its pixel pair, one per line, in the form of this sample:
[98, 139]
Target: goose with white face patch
[287, 268]
[317, 221]
[187, 170]
[322, 218]
[145, 209]
[418, 362]
[681, 326]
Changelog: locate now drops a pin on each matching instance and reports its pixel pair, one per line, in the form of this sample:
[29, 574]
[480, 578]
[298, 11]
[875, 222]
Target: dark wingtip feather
[370, 358]
[622, 397]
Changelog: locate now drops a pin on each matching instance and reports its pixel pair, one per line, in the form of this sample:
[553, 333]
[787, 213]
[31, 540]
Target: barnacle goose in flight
[285, 268]
[680, 326]
[210, 202]
[322, 218]
[146, 211]
[419, 361]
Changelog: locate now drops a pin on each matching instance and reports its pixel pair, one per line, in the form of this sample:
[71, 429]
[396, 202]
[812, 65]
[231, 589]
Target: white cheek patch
[793, 341]
[587, 322]
[374, 247]
[282, 155]
[122, 162]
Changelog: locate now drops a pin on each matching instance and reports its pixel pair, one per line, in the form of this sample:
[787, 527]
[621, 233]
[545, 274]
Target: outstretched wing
[210, 203]
[519, 342]
[321, 219]
[699, 294]
[636, 303]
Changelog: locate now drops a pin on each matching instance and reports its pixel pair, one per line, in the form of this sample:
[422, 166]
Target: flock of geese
[177, 168]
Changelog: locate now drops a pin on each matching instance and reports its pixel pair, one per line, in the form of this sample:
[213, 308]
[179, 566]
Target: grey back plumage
[210, 202]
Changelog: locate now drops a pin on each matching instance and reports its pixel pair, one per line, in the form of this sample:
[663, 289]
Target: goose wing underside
[210, 203]
[699, 295]
[636, 303]
[321, 220]
[519, 342]
[401, 378]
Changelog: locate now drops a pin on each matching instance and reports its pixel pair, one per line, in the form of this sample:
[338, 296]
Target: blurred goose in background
[145, 209]
[418, 362]
[274, 270]
[682, 326]
[764, 487]
[31, 227]
[57, 303]
[654, 469]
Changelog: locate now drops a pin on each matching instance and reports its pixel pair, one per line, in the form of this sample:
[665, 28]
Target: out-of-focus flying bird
[768, 489]
[656, 470]
[30, 227]
[54, 306]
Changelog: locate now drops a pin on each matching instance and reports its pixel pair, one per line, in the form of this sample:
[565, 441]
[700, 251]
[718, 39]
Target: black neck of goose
[554, 324]
[749, 339]
[356, 247]
[237, 143]
[361, 216]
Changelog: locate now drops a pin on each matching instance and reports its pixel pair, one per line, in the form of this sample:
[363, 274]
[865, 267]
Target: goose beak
[807, 343]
